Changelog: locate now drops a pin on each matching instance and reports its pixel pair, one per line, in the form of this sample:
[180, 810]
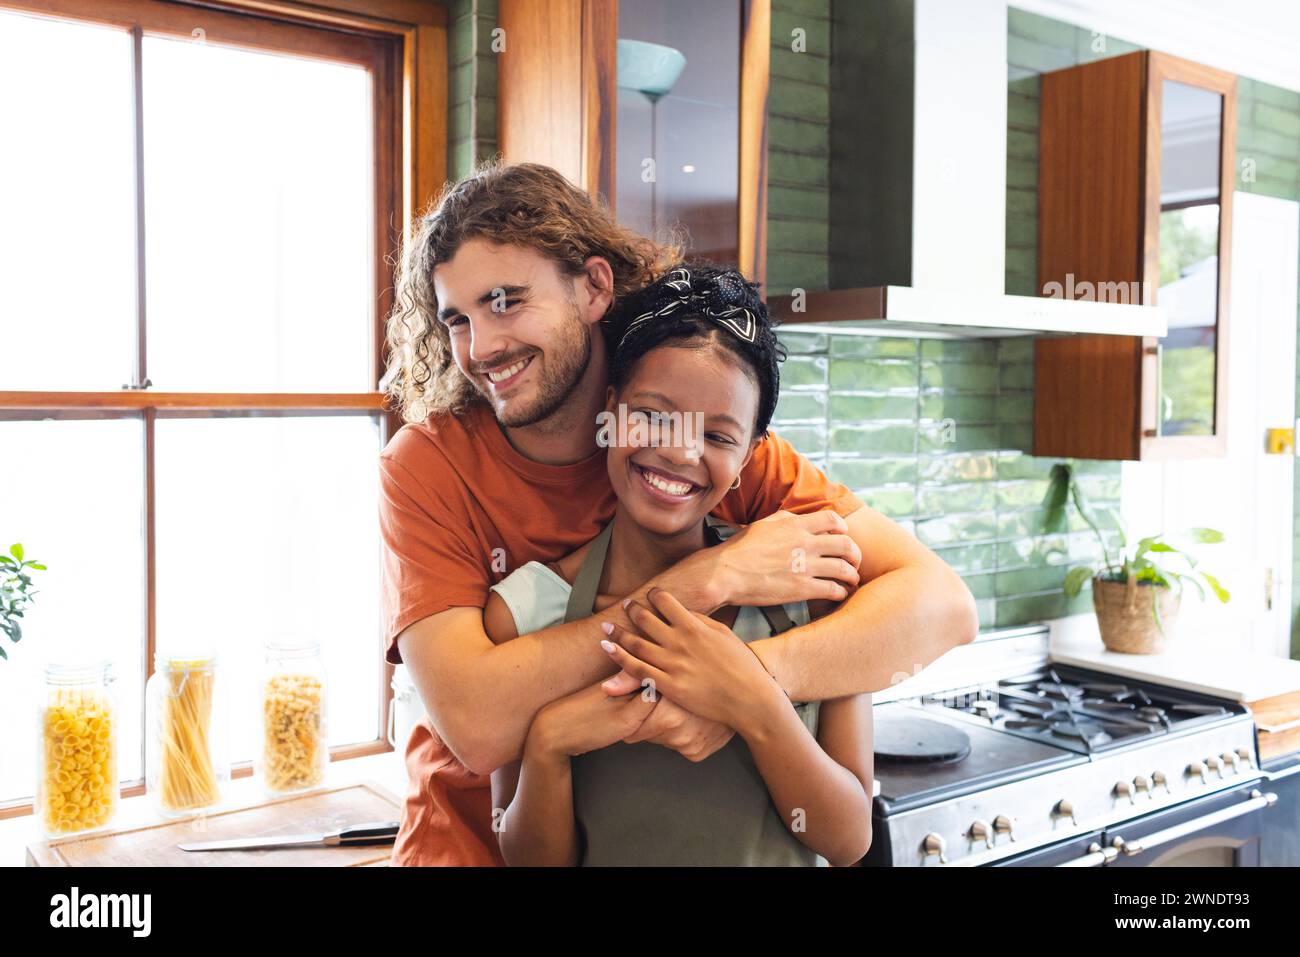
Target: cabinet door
[692, 90]
[1190, 159]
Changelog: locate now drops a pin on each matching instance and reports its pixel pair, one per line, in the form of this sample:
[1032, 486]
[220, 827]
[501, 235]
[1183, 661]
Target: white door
[1247, 494]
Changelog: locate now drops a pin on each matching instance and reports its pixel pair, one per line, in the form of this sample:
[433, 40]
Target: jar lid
[292, 646]
[168, 661]
[78, 671]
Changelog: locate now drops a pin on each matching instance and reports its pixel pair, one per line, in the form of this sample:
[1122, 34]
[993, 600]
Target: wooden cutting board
[154, 845]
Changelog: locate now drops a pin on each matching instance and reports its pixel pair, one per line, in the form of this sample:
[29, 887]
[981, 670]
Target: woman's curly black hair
[692, 305]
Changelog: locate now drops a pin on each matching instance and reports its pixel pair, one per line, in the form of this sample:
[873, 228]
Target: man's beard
[560, 373]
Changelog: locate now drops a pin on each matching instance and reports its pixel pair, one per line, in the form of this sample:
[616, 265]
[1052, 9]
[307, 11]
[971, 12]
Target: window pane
[259, 220]
[269, 526]
[71, 492]
[67, 206]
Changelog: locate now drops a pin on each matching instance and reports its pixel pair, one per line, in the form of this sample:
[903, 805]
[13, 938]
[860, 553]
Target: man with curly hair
[499, 350]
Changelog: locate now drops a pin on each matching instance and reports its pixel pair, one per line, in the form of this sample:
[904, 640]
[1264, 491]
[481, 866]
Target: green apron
[644, 804]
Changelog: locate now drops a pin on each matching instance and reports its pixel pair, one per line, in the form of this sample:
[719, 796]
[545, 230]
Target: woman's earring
[736, 484]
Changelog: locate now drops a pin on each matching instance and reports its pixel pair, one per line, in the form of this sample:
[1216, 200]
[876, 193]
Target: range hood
[918, 185]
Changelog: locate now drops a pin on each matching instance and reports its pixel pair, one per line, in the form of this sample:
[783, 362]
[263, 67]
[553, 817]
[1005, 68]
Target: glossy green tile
[872, 439]
[1030, 608]
[865, 347]
[962, 406]
[1035, 550]
[872, 374]
[981, 586]
[854, 408]
[947, 436]
[957, 467]
[957, 529]
[803, 343]
[804, 372]
[1041, 578]
[868, 472]
[945, 499]
[966, 559]
[894, 502]
[800, 407]
[959, 350]
[969, 376]
[808, 440]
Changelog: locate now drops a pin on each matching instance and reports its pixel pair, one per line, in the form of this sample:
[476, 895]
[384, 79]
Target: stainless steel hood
[918, 185]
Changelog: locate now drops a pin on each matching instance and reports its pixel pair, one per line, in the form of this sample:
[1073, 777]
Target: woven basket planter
[1125, 619]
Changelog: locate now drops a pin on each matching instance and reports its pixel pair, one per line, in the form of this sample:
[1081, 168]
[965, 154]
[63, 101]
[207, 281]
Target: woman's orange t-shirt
[459, 508]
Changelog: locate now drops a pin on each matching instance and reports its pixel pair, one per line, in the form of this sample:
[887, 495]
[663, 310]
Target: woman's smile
[664, 487]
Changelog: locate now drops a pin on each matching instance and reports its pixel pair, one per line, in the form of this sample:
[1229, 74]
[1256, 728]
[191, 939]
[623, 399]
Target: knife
[358, 835]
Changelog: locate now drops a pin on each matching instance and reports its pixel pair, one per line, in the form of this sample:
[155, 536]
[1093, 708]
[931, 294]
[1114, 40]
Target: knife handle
[365, 835]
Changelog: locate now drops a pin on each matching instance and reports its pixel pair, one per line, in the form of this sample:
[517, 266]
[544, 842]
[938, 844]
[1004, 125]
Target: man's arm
[482, 697]
[912, 609]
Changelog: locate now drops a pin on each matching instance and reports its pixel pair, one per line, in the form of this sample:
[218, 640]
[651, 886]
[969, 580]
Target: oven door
[1221, 830]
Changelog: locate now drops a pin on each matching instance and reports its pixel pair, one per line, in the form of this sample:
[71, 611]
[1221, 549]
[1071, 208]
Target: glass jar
[76, 778]
[295, 743]
[405, 710]
[186, 763]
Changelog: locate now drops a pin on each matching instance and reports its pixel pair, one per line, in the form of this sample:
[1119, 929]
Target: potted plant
[1137, 591]
[15, 592]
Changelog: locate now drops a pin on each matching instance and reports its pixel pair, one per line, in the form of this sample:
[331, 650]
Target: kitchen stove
[1049, 763]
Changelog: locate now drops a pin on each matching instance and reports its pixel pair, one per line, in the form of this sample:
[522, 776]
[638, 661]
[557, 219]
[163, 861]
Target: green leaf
[1219, 591]
[1206, 536]
[37, 565]
[1058, 492]
[3, 654]
[15, 632]
[1075, 579]
[6, 560]
[1199, 587]
[16, 550]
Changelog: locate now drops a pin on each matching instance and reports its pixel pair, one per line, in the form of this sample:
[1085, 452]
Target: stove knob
[1143, 783]
[1002, 825]
[934, 845]
[1213, 764]
[1197, 767]
[1124, 789]
[1245, 755]
[1158, 778]
[1230, 758]
[1064, 809]
[980, 831]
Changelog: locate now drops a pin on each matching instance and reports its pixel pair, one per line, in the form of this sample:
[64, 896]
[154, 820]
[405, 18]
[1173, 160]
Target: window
[196, 212]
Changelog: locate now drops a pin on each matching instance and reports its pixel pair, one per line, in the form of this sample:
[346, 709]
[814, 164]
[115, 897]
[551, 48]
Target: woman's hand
[695, 661]
[588, 720]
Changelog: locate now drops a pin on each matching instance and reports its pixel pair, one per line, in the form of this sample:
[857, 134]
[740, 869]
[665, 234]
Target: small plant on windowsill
[15, 592]
[1137, 591]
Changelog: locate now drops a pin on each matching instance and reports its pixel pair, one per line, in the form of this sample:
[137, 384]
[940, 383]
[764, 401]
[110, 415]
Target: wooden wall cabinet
[560, 104]
[1136, 171]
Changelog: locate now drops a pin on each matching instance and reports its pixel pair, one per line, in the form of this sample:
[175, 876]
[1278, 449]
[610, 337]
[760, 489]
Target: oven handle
[1258, 801]
[1096, 856]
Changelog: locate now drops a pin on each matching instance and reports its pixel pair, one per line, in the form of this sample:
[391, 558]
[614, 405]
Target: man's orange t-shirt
[458, 501]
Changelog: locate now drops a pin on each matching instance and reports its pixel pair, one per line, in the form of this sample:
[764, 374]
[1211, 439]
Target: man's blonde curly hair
[524, 204]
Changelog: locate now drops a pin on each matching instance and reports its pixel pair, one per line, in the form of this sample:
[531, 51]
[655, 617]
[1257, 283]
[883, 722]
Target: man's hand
[785, 558]
[671, 725]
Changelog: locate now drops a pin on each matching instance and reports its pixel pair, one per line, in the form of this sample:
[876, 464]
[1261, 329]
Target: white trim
[1253, 38]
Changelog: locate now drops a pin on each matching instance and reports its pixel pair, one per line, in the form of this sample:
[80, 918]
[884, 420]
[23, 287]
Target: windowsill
[388, 769]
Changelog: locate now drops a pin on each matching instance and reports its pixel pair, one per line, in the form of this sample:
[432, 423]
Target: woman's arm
[532, 809]
[821, 786]
[532, 799]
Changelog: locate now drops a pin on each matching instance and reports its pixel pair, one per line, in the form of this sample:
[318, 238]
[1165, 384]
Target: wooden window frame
[403, 45]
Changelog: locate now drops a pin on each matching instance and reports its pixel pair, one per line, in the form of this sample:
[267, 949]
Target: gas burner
[1090, 733]
[1060, 690]
[1199, 710]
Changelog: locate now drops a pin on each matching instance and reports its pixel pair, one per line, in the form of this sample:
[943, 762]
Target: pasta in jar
[77, 786]
[295, 746]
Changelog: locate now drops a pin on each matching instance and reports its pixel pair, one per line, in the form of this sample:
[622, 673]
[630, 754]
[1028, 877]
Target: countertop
[1196, 664]
[387, 769]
